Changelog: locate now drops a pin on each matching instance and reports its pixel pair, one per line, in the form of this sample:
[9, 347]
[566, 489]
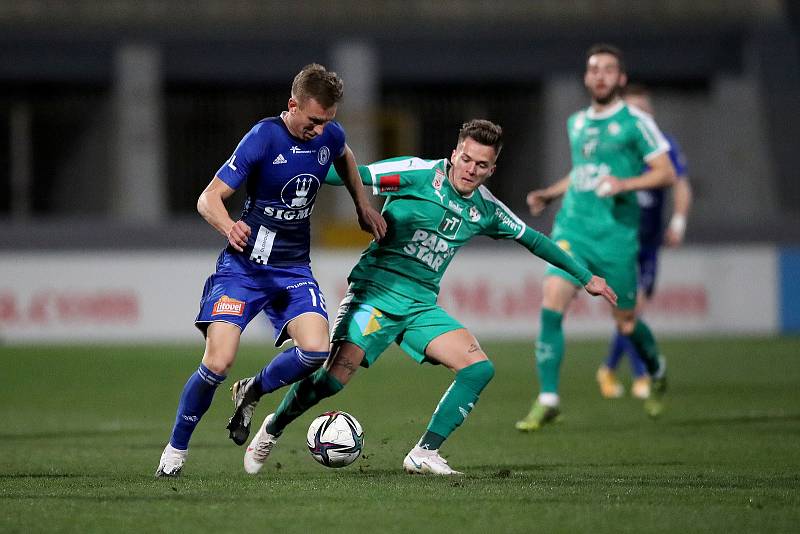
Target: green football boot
[654, 404]
[538, 416]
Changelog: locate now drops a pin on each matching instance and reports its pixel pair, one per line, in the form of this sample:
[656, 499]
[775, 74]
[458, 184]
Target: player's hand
[608, 186]
[238, 235]
[370, 220]
[538, 201]
[597, 286]
[673, 239]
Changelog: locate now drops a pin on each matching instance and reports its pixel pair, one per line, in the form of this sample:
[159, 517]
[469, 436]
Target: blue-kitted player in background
[651, 236]
[266, 267]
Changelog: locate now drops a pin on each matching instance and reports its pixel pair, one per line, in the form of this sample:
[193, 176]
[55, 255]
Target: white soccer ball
[335, 439]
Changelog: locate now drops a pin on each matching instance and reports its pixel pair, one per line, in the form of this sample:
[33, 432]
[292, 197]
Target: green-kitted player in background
[433, 207]
[598, 223]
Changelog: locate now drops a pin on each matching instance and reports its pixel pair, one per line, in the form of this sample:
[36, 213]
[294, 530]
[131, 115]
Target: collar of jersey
[288, 131]
[592, 114]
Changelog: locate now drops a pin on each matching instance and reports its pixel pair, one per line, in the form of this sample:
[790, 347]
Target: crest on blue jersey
[300, 191]
[323, 155]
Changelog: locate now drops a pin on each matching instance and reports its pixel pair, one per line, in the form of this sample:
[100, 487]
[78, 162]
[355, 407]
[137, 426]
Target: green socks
[457, 402]
[302, 396]
[642, 338]
[549, 350]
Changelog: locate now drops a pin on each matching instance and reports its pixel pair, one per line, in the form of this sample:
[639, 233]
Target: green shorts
[373, 330]
[617, 266]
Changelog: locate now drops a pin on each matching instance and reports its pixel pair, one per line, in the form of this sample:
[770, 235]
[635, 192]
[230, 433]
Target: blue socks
[195, 400]
[288, 367]
[621, 345]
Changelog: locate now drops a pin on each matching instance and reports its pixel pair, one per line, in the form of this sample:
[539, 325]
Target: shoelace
[262, 449]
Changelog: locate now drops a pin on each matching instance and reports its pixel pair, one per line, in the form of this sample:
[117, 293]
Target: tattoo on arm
[348, 366]
[473, 348]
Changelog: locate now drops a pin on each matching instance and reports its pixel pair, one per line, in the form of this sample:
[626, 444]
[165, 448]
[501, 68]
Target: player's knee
[626, 325]
[219, 361]
[311, 358]
[326, 384]
[314, 344]
[477, 375]
[218, 365]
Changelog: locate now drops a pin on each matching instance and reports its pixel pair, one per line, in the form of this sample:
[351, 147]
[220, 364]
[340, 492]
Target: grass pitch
[83, 428]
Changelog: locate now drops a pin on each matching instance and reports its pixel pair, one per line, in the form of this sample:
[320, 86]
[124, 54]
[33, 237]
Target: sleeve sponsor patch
[389, 182]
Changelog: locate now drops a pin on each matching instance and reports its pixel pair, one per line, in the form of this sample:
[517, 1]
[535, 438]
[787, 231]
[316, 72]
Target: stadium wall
[153, 296]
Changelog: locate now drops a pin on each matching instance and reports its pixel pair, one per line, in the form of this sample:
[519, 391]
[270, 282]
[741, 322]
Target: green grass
[83, 427]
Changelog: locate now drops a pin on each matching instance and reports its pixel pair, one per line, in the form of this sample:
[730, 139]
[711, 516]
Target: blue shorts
[648, 268]
[236, 293]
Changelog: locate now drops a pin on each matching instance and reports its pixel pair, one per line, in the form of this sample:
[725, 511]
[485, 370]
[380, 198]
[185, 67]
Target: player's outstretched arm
[369, 218]
[540, 198]
[211, 206]
[660, 173]
[545, 248]
[598, 287]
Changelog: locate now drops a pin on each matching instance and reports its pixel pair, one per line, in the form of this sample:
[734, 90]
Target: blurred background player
[433, 208]
[265, 266]
[598, 223]
[651, 236]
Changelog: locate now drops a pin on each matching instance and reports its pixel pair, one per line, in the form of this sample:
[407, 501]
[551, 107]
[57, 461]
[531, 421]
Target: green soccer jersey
[428, 221]
[615, 142]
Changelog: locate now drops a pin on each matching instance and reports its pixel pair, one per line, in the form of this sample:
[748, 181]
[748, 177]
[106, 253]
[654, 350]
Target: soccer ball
[335, 439]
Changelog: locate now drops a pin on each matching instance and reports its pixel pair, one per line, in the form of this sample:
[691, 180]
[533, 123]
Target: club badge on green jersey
[449, 225]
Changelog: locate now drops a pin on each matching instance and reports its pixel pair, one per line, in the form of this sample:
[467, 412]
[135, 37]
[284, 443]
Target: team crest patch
[228, 306]
[300, 191]
[474, 214]
[323, 155]
[614, 128]
[564, 245]
[438, 180]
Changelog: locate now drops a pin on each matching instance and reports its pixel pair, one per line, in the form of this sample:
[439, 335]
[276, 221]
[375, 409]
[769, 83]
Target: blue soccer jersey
[283, 176]
[651, 201]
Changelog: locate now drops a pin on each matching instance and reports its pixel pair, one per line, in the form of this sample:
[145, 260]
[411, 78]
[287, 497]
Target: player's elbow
[665, 177]
[670, 176]
[203, 207]
[201, 204]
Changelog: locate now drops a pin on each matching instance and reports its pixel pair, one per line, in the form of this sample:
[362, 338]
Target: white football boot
[259, 448]
[420, 461]
[171, 462]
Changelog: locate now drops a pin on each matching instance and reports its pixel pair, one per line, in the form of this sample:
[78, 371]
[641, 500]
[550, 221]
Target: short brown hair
[605, 48]
[484, 132]
[316, 82]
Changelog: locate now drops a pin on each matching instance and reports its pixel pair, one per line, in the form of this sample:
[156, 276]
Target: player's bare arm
[597, 286]
[661, 173]
[540, 198]
[682, 200]
[211, 205]
[369, 218]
